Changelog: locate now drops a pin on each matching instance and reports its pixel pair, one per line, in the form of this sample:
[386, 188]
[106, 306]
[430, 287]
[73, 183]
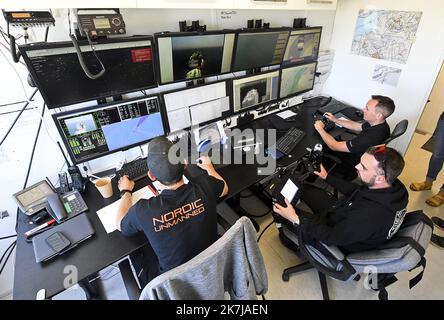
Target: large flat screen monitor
[252, 92]
[56, 70]
[302, 46]
[93, 132]
[256, 49]
[200, 105]
[296, 80]
[186, 56]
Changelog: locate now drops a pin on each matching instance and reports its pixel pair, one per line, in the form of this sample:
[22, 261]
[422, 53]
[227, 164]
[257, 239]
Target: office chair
[233, 266]
[400, 129]
[404, 252]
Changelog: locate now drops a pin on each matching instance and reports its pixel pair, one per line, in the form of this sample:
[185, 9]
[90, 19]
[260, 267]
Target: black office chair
[400, 129]
[404, 252]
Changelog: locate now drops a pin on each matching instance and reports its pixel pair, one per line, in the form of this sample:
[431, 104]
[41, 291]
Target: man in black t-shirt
[373, 131]
[182, 220]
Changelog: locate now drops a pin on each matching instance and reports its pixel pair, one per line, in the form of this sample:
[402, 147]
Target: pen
[38, 228]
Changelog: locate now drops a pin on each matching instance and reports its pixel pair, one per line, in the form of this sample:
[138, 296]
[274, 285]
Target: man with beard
[367, 215]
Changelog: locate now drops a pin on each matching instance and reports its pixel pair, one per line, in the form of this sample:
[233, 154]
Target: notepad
[108, 214]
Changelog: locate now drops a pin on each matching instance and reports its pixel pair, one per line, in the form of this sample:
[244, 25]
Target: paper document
[286, 114]
[108, 214]
[289, 190]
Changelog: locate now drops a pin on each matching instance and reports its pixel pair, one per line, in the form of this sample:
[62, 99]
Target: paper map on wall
[386, 35]
[386, 75]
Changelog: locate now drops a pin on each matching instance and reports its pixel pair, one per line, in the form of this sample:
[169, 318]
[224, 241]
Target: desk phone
[73, 203]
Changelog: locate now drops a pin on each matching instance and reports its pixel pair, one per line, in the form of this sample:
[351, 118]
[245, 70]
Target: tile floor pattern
[306, 285]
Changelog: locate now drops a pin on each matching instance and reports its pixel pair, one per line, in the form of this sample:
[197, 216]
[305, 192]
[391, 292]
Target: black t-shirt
[179, 224]
[369, 136]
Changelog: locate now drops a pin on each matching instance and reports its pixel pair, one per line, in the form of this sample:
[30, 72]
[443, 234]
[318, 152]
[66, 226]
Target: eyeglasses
[380, 155]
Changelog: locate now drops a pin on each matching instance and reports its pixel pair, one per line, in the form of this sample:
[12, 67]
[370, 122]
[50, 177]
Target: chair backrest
[401, 253]
[400, 129]
[233, 265]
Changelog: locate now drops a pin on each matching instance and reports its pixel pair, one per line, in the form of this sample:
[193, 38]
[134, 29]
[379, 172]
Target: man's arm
[125, 201]
[334, 145]
[205, 164]
[341, 185]
[348, 124]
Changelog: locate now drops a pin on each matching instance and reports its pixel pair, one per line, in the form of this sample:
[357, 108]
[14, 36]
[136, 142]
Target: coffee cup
[104, 186]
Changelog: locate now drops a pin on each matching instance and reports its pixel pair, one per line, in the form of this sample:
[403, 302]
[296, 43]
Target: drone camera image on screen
[253, 91]
[297, 79]
[302, 46]
[184, 56]
[93, 132]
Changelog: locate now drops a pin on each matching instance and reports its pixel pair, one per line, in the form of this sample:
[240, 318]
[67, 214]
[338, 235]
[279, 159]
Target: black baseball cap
[158, 163]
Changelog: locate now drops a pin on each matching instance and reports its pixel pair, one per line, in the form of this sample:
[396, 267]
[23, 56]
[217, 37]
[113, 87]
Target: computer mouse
[359, 113]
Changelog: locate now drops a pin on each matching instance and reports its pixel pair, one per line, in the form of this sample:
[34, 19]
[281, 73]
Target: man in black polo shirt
[373, 131]
[182, 220]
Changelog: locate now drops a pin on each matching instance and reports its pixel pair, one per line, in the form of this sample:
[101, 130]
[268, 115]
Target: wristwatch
[122, 192]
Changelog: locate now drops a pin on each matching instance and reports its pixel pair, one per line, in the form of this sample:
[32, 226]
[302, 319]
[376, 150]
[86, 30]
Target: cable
[18, 116]
[10, 248]
[268, 226]
[7, 237]
[30, 161]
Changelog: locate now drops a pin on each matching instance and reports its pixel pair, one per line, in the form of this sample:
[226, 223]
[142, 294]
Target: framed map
[386, 35]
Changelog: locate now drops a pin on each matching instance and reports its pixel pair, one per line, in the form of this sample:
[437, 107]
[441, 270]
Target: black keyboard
[333, 107]
[135, 170]
[287, 142]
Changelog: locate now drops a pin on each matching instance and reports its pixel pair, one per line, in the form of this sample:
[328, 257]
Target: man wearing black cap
[180, 222]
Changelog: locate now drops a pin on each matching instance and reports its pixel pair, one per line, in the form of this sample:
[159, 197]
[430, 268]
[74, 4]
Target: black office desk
[104, 249]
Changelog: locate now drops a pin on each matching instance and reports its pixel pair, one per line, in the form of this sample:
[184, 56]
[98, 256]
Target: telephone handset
[55, 207]
[77, 181]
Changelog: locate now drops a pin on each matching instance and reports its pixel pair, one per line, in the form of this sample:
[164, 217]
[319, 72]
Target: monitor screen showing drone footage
[192, 56]
[251, 92]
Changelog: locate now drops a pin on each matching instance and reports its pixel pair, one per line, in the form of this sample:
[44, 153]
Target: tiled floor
[306, 285]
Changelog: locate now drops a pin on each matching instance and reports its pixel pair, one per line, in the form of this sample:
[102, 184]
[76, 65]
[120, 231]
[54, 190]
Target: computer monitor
[296, 80]
[302, 46]
[93, 132]
[56, 70]
[192, 55]
[199, 105]
[252, 92]
[260, 48]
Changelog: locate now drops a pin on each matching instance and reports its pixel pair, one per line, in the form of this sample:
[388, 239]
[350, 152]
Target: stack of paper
[108, 214]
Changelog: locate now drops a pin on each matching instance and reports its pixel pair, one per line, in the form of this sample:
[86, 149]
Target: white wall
[15, 152]
[350, 79]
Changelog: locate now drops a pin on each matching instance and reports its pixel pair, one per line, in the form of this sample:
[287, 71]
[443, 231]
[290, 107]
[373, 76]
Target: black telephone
[77, 181]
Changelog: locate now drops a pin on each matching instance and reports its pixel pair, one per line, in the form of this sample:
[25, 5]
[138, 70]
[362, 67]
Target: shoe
[438, 222]
[437, 241]
[420, 186]
[436, 200]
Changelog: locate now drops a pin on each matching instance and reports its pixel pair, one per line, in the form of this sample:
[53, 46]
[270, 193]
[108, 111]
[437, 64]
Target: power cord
[10, 249]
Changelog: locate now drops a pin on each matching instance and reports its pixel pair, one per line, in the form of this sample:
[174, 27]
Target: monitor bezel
[300, 92]
[189, 34]
[242, 31]
[260, 105]
[24, 49]
[307, 61]
[224, 115]
[57, 116]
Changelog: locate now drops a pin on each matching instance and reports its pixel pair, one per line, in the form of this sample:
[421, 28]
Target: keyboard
[135, 170]
[333, 107]
[286, 143]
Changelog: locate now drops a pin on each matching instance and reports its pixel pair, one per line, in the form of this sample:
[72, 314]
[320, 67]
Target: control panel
[98, 23]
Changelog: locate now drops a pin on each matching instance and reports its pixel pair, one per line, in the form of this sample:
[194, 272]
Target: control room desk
[103, 249]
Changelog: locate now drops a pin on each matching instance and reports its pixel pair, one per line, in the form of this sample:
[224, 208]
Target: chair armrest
[131, 286]
[335, 251]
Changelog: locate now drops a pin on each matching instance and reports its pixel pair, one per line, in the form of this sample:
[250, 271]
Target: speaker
[299, 23]
[258, 24]
[195, 25]
[250, 24]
